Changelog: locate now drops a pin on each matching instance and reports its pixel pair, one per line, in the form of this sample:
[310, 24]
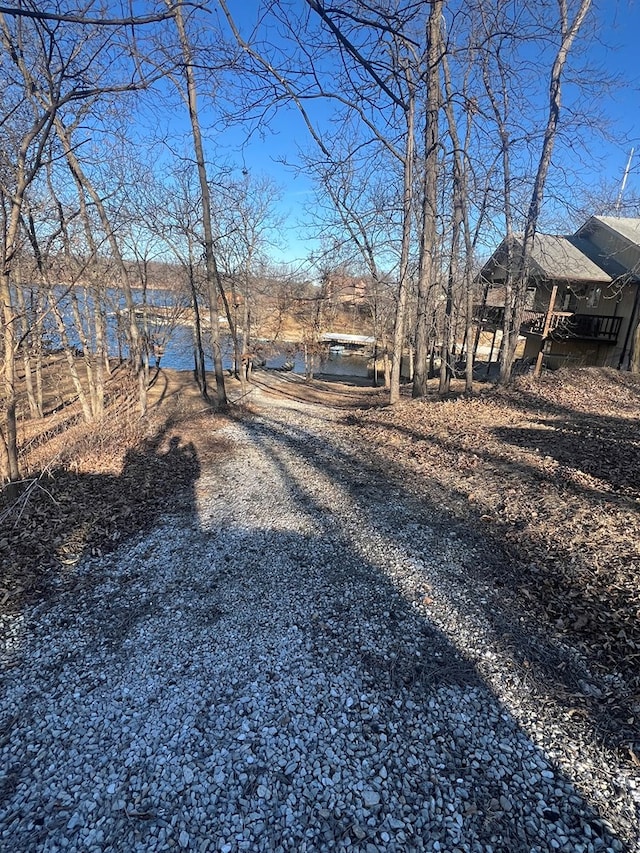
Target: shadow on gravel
[409, 716]
[419, 724]
[547, 667]
[556, 605]
[67, 515]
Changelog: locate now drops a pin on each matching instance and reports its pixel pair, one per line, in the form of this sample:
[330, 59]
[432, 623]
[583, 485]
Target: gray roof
[564, 258]
[579, 257]
[626, 227]
[553, 257]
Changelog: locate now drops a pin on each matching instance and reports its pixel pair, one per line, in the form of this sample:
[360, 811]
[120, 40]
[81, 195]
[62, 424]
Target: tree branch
[37, 15]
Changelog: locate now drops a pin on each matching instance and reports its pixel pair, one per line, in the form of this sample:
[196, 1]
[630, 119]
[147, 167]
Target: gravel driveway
[295, 662]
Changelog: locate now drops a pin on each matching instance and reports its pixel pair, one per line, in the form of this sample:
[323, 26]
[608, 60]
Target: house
[597, 305]
[344, 289]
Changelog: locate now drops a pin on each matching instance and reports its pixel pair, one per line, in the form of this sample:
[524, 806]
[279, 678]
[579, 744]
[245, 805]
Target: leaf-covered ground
[88, 487]
[546, 476]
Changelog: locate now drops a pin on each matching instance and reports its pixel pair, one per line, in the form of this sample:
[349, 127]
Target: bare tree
[246, 226]
[49, 66]
[214, 283]
[173, 216]
[429, 211]
[568, 27]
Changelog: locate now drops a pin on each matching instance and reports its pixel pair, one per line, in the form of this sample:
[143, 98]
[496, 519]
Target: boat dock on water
[340, 343]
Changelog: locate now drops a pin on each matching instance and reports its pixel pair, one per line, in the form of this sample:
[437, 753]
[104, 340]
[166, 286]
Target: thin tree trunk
[244, 338]
[70, 357]
[101, 354]
[403, 286]
[446, 355]
[134, 337]
[518, 300]
[469, 355]
[10, 398]
[634, 361]
[40, 304]
[28, 333]
[23, 174]
[102, 365]
[461, 214]
[500, 115]
[86, 350]
[429, 196]
[201, 374]
[213, 275]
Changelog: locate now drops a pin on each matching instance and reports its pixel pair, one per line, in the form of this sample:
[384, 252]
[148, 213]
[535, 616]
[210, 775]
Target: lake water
[178, 355]
[178, 345]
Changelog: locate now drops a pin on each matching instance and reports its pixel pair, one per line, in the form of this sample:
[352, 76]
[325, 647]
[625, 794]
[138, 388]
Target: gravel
[293, 662]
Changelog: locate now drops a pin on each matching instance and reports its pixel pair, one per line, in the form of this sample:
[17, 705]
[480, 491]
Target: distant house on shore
[597, 306]
[345, 289]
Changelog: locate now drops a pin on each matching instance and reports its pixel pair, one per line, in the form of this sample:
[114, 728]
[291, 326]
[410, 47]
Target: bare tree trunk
[4, 460]
[403, 286]
[101, 354]
[468, 370]
[386, 367]
[102, 365]
[135, 339]
[28, 335]
[201, 373]
[10, 397]
[517, 302]
[244, 338]
[634, 361]
[213, 275]
[86, 349]
[461, 214]
[429, 196]
[446, 354]
[70, 357]
[23, 174]
[39, 347]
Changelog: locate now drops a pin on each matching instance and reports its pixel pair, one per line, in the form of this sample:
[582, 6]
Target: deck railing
[585, 327]
[564, 324]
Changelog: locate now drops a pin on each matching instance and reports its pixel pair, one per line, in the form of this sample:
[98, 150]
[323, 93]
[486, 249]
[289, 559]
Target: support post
[545, 331]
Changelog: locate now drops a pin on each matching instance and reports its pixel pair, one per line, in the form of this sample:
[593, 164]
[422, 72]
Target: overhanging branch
[37, 15]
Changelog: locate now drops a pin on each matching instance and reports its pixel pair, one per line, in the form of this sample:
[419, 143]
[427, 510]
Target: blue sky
[619, 30]
[617, 24]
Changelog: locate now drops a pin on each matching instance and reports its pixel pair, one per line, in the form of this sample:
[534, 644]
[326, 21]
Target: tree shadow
[68, 515]
[253, 611]
[299, 599]
[604, 446]
[550, 620]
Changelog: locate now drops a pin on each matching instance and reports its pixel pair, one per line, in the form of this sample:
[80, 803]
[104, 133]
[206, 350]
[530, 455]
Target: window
[568, 301]
[593, 297]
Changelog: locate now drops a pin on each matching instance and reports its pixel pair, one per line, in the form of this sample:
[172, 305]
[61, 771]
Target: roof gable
[627, 228]
[616, 241]
[565, 258]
